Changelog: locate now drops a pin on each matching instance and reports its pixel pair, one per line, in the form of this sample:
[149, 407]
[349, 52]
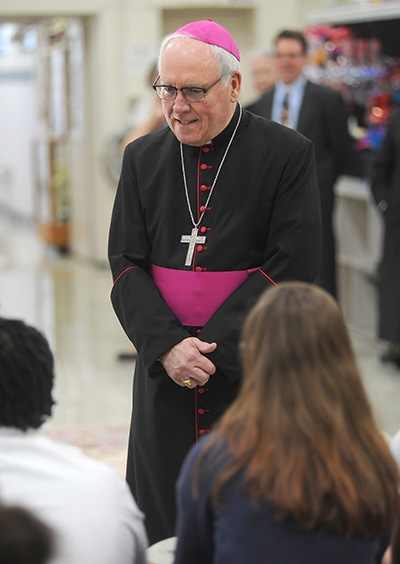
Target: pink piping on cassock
[268, 278]
[122, 273]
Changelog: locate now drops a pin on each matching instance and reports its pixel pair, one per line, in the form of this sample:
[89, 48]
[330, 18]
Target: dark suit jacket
[323, 120]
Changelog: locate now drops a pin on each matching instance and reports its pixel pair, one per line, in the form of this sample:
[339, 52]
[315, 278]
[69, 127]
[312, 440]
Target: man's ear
[235, 85]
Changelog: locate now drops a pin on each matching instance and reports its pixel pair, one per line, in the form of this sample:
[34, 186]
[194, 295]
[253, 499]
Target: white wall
[17, 131]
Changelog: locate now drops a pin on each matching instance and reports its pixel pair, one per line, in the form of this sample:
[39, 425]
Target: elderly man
[209, 212]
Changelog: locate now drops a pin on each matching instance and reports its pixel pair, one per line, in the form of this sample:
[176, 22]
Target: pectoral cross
[192, 239]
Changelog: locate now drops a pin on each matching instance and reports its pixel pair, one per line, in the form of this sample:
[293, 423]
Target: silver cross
[192, 239]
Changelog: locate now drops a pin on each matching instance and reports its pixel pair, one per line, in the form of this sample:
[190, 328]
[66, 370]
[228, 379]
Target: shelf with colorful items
[344, 12]
[368, 78]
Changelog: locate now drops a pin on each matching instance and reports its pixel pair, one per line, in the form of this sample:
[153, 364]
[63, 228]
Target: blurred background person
[319, 113]
[149, 113]
[90, 507]
[24, 539]
[385, 188]
[297, 469]
[263, 74]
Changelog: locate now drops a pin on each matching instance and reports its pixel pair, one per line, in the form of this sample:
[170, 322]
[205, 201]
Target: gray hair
[227, 63]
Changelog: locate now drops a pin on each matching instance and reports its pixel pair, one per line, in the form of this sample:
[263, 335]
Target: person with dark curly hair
[90, 508]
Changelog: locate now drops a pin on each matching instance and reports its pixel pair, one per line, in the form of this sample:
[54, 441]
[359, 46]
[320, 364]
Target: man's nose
[180, 101]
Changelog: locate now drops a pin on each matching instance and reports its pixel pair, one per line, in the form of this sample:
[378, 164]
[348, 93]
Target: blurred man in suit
[319, 113]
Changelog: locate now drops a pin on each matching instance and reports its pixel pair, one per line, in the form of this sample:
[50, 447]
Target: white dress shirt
[85, 502]
[296, 92]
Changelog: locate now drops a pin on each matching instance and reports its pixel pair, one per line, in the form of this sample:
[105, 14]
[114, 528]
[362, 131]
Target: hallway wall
[17, 131]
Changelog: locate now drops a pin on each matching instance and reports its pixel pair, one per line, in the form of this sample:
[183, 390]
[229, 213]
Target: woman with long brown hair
[297, 469]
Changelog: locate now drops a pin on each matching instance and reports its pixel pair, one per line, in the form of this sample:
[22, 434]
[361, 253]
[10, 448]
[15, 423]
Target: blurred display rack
[354, 13]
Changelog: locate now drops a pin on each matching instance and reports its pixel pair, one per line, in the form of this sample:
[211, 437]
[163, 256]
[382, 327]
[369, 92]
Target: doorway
[43, 122]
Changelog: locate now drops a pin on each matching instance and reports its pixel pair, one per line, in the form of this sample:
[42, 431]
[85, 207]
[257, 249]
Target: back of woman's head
[26, 375]
[297, 355]
[302, 424]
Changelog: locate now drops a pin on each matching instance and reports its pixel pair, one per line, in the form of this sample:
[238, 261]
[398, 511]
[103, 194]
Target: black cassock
[262, 226]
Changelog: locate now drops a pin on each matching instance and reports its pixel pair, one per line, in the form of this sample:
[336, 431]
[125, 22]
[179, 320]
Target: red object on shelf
[379, 107]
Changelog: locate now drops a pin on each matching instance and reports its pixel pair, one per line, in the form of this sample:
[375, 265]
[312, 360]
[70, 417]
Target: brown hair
[293, 34]
[302, 426]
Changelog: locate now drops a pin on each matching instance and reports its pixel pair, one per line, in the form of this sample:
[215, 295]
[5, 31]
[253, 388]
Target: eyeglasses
[190, 93]
[291, 56]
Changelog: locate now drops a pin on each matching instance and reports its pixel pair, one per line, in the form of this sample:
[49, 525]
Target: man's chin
[187, 138]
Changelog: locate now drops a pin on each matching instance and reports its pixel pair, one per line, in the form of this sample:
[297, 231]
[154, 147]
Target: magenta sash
[195, 296]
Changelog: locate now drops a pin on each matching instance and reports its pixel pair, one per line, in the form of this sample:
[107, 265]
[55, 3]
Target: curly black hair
[26, 375]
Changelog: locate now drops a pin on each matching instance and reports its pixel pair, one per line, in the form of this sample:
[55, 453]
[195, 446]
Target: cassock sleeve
[145, 317]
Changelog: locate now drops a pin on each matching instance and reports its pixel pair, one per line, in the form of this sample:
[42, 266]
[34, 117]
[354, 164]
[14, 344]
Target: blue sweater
[241, 532]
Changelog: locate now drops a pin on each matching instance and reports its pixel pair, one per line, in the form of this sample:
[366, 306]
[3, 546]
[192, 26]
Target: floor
[68, 299]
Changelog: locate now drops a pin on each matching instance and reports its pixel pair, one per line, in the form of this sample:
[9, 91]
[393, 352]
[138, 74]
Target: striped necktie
[285, 109]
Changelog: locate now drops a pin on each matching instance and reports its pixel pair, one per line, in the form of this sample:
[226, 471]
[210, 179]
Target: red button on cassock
[200, 411]
[200, 390]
